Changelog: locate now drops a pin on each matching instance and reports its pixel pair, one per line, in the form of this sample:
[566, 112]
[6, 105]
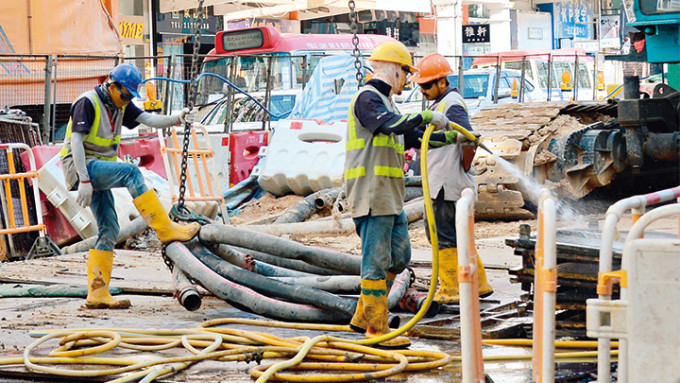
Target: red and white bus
[293, 55]
[562, 74]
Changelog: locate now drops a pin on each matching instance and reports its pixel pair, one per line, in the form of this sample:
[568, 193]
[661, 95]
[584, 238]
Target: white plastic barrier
[53, 184]
[606, 277]
[545, 289]
[470, 321]
[646, 315]
[303, 156]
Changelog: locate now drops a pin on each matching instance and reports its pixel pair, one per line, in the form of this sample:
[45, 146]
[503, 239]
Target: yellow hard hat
[394, 52]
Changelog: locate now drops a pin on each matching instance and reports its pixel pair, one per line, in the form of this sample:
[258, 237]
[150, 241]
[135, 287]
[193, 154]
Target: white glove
[84, 194]
[440, 121]
[187, 116]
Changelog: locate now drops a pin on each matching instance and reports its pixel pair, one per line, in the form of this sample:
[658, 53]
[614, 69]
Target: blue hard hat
[128, 76]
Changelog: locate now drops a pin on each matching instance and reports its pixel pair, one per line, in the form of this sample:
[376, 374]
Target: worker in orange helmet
[448, 163]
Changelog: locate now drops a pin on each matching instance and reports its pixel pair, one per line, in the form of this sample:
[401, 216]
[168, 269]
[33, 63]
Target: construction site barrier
[545, 282]
[606, 278]
[43, 246]
[644, 318]
[470, 321]
[203, 161]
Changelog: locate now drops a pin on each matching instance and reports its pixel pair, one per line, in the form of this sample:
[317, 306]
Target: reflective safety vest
[104, 136]
[445, 164]
[374, 165]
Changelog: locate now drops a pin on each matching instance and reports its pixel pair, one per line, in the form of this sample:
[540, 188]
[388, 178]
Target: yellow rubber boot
[485, 288]
[99, 265]
[375, 311]
[359, 322]
[448, 276]
[150, 208]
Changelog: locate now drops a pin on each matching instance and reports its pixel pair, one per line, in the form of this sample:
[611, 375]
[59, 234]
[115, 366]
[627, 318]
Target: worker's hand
[440, 121]
[450, 138]
[462, 140]
[187, 116]
[84, 194]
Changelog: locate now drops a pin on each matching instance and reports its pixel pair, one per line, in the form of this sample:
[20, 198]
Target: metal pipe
[186, 293]
[343, 308]
[249, 239]
[242, 297]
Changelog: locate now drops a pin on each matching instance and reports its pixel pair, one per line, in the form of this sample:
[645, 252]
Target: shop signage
[184, 23]
[131, 30]
[476, 33]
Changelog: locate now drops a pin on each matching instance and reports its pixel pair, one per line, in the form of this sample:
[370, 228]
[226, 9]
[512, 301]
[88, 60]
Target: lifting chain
[193, 91]
[355, 41]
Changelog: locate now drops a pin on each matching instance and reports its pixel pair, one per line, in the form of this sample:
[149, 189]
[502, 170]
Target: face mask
[103, 92]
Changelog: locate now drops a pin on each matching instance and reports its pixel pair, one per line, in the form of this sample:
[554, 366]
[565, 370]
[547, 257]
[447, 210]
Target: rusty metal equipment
[574, 148]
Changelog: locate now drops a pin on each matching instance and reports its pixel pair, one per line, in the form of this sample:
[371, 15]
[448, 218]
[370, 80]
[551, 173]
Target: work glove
[187, 116]
[84, 194]
[464, 141]
[450, 138]
[440, 121]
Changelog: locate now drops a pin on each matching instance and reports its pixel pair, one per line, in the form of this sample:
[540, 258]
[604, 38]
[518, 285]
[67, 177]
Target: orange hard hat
[432, 67]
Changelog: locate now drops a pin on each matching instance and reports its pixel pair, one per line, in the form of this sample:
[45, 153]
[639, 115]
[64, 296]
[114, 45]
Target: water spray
[470, 136]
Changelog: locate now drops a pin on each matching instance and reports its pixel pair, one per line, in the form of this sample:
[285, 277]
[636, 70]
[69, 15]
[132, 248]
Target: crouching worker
[89, 163]
[448, 163]
[374, 174]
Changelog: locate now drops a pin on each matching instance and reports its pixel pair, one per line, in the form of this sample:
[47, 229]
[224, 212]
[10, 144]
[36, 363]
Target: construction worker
[89, 163]
[377, 136]
[448, 163]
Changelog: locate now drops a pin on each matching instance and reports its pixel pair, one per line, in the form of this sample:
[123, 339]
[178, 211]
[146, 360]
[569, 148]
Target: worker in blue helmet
[89, 161]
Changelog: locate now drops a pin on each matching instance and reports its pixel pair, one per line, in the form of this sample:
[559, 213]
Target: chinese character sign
[476, 33]
[573, 19]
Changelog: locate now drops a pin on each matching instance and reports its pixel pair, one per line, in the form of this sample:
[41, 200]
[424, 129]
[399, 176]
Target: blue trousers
[104, 176]
[385, 245]
[445, 219]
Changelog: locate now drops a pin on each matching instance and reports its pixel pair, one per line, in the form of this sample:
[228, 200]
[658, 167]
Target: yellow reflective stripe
[441, 106]
[399, 121]
[388, 141]
[388, 171]
[353, 143]
[355, 173]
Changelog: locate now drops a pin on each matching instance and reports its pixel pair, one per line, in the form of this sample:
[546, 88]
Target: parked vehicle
[562, 74]
[479, 90]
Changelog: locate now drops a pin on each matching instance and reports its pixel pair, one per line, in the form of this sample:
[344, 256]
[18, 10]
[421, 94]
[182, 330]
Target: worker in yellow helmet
[448, 163]
[377, 135]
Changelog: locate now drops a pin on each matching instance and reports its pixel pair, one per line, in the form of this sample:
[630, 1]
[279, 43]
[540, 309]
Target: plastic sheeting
[57, 27]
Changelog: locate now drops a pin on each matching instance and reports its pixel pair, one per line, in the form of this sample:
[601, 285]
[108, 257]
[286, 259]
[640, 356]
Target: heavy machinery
[630, 145]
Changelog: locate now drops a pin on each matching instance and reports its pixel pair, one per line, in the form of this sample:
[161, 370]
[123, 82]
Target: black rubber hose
[272, 287]
[231, 235]
[186, 293]
[304, 209]
[248, 262]
[291, 264]
[244, 298]
[412, 192]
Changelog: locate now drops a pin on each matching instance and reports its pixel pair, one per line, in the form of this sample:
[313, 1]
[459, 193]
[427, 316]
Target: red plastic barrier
[148, 150]
[244, 147]
[59, 228]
